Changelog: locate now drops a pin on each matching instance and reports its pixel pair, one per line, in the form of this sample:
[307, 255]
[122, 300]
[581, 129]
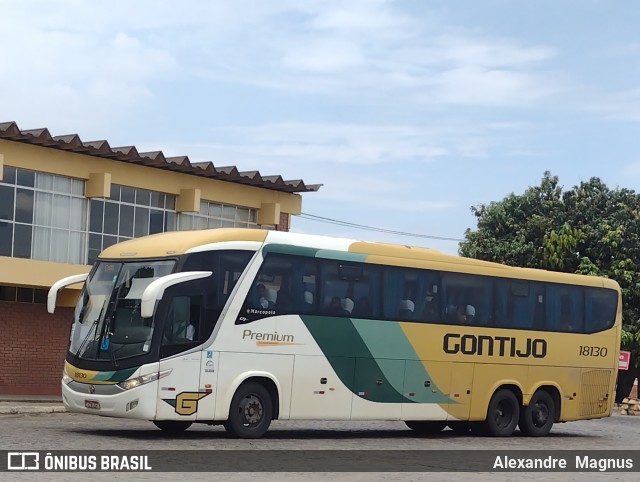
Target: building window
[23, 295]
[215, 215]
[42, 216]
[128, 213]
[46, 217]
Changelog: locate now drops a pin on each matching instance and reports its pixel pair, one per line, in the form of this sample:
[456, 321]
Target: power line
[322, 219]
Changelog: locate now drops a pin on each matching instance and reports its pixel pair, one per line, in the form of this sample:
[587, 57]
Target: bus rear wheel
[172, 426]
[426, 427]
[251, 411]
[503, 414]
[537, 418]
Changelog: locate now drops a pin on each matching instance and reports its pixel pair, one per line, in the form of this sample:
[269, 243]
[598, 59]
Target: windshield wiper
[106, 336]
[91, 329]
[113, 356]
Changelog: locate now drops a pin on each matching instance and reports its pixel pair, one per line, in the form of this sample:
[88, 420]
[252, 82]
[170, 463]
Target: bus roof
[180, 242]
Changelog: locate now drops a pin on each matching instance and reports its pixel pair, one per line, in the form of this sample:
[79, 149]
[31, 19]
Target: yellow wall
[80, 166]
[40, 274]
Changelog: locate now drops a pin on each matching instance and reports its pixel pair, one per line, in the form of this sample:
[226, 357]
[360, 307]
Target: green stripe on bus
[314, 252]
[352, 360]
[289, 249]
[387, 341]
[341, 255]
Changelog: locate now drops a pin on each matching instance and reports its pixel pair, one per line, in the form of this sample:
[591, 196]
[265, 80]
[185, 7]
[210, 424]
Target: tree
[588, 229]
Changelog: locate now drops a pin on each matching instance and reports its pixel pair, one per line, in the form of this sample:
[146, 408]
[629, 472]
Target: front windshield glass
[107, 323]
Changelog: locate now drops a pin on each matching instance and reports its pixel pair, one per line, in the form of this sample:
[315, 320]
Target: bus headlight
[137, 381]
[66, 379]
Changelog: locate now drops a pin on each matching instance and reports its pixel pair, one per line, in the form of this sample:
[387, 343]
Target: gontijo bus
[241, 327]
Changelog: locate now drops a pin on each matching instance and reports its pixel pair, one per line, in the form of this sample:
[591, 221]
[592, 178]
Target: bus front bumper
[110, 400]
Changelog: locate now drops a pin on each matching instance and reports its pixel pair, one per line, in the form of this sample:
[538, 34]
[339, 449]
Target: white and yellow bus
[241, 327]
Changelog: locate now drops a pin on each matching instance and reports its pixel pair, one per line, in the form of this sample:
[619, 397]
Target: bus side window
[398, 288]
[565, 308]
[522, 301]
[183, 320]
[365, 293]
[501, 308]
[285, 284]
[600, 309]
[467, 298]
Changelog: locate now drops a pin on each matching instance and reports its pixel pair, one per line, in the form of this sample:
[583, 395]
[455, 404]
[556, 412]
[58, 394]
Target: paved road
[60, 431]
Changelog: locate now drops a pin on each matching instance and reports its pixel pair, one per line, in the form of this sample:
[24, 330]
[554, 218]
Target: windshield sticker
[104, 344]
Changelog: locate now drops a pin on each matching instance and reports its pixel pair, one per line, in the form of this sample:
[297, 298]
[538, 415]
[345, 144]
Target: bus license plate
[95, 404]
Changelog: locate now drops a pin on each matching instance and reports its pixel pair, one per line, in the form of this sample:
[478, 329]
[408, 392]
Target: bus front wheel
[172, 426]
[537, 418]
[251, 411]
[503, 414]
[426, 427]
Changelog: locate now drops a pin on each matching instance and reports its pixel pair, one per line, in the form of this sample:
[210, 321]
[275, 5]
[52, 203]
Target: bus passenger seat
[308, 297]
[271, 296]
[347, 304]
[406, 309]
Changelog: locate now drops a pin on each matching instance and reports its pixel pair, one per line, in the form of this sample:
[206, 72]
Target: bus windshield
[107, 322]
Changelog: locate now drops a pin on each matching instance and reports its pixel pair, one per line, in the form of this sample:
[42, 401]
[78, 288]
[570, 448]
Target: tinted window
[284, 284]
[467, 299]
[359, 290]
[600, 309]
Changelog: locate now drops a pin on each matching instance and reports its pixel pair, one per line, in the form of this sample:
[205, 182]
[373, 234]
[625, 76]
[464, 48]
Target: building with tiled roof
[64, 200]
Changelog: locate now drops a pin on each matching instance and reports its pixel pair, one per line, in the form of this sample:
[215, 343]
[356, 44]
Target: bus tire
[537, 418]
[172, 426]
[250, 412]
[503, 414]
[426, 427]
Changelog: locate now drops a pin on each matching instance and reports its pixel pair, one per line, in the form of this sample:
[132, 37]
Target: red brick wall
[33, 345]
[283, 225]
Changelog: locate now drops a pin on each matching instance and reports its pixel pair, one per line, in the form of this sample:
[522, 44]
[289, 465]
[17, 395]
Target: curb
[20, 410]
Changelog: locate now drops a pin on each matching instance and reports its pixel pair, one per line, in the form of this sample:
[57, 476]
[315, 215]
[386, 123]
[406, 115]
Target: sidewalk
[12, 404]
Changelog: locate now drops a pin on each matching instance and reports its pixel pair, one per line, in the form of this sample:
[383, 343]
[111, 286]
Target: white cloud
[306, 146]
[64, 70]
[490, 53]
[324, 56]
[90, 63]
[622, 105]
[475, 86]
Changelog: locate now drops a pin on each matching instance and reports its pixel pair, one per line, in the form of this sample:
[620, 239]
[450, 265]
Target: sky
[408, 112]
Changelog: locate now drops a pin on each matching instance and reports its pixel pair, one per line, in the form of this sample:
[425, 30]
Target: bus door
[186, 393]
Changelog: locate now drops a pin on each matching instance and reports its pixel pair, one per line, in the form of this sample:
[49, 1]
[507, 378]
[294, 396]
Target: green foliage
[588, 229]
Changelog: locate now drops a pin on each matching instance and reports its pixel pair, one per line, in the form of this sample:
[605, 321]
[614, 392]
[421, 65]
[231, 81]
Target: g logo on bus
[92, 389]
[186, 403]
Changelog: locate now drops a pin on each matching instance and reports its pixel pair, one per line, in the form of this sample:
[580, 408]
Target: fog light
[131, 405]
